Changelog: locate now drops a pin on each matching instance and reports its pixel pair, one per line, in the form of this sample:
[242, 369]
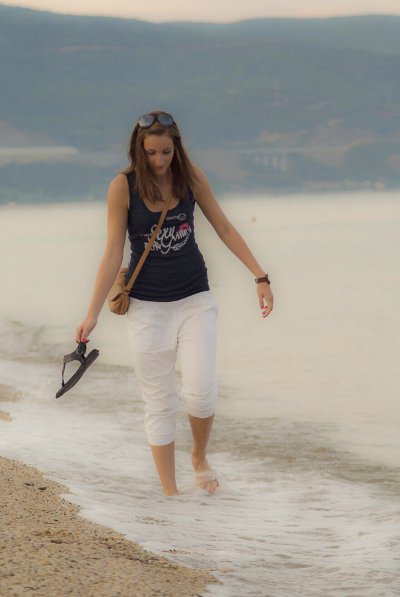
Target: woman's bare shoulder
[201, 181]
[198, 172]
[202, 185]
[119, 183]
[118, 191]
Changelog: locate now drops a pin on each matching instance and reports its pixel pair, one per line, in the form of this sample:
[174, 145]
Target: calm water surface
[306, 439]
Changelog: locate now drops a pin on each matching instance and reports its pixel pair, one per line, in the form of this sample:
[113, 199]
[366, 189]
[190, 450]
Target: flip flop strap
[62, 376]
[77, 357]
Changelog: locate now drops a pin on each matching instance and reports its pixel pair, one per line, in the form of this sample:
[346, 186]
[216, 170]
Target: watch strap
[263, 279]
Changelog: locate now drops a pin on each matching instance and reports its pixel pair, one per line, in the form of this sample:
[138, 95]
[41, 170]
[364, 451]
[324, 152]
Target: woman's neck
[164, 180]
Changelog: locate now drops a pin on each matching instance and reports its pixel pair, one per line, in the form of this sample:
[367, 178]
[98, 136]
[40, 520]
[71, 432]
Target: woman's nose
[159, 160]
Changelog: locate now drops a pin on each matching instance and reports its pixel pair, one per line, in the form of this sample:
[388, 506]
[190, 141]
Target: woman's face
[159, 150]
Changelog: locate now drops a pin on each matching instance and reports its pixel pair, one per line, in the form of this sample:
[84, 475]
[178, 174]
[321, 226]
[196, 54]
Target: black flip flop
[77, 355]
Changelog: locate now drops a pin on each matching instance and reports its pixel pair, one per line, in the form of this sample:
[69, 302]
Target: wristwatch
[263, 279]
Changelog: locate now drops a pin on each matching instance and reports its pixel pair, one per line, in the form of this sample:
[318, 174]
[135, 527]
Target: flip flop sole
[92, 356]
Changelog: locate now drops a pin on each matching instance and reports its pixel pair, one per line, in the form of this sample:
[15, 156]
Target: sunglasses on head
[148, 119]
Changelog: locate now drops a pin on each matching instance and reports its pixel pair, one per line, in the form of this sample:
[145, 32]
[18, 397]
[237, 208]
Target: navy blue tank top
[175, 267]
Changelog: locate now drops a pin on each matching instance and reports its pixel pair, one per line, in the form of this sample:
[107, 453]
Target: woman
[172, 314]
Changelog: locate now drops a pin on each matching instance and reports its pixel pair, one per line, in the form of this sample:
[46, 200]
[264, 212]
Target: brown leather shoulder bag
[118, 297]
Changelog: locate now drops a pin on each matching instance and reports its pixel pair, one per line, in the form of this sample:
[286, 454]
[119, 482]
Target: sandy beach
[48, 550]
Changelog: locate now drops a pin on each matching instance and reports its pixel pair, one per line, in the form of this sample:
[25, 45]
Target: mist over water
[306, 438]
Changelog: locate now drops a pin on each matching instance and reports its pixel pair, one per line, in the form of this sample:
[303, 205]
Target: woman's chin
[160, 171]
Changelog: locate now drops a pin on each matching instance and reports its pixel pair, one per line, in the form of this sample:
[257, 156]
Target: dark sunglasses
[148, 119]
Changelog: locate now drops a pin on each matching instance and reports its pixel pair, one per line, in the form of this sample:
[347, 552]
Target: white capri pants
[160, 334]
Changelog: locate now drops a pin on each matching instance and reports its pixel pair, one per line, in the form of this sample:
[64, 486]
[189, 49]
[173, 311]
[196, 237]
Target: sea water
[306, 438]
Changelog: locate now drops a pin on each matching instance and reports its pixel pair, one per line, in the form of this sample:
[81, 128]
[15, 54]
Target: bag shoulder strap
[149, 244]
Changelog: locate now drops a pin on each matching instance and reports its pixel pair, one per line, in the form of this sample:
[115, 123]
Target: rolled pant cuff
[160, 440]
[202, 414]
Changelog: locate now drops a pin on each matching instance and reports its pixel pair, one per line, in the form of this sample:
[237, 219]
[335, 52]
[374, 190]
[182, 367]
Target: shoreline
[47, 548]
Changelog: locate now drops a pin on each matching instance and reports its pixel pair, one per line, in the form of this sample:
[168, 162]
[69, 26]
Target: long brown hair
[183, 173]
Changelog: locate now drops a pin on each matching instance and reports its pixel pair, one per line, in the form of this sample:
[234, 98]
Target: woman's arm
[231, 238]
[117, 201]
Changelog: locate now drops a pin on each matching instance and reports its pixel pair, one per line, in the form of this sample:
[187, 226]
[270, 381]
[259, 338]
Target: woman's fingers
[265, 299]
[267, 310]
[84, 329]
[78, 334]
[82, 333]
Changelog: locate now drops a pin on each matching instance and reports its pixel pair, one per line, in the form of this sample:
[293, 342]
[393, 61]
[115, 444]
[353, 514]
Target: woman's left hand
[265, 298]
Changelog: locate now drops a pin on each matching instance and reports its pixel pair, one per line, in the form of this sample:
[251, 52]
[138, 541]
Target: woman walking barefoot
[172, 313]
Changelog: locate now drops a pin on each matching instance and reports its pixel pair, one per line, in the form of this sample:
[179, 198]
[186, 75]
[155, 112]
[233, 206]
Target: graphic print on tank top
[170, 238]
[175, 267]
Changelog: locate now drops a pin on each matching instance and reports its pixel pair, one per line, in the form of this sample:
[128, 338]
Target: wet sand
[47, 549]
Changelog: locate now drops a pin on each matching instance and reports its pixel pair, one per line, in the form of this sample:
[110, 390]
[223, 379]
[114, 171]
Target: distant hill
[263, 104]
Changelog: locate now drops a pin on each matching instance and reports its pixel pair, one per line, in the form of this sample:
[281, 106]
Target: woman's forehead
[159, 142]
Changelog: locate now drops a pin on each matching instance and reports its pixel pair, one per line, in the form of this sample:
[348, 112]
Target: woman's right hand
[84, 329]
[118, 202]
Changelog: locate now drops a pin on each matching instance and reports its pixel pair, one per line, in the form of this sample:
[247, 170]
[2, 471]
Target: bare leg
[164, 459]
[201, 429]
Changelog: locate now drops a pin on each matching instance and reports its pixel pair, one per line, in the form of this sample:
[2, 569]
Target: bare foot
[207, 480]
[205, 476]
[171, 493]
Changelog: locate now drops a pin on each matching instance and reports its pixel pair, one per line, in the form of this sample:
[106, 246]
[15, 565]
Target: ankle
[170, 492]
[199, 460]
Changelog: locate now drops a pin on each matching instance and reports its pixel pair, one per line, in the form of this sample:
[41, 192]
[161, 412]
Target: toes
[207, 480]
[213, 486]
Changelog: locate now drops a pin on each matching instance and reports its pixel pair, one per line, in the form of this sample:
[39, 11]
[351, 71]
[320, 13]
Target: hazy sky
[213, 10]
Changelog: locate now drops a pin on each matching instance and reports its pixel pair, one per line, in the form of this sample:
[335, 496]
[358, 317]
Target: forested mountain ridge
[266, 103]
